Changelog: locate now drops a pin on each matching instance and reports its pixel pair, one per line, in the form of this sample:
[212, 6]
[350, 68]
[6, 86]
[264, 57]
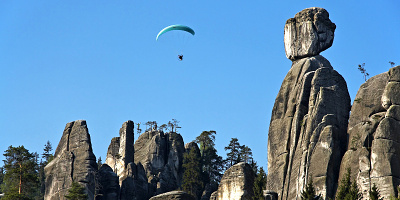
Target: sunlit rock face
[308, 33]
[175, 195]
[374, 127]
[307, 134]
[236, 183]
[73, 161]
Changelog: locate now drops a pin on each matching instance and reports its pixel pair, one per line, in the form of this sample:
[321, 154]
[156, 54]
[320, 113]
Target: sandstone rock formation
[308, 33]
[307, 134]
[174, 195]
[121, 150]
[108, 184]
[236, 183]
[73, 161]
[373, 153]
[161, 155]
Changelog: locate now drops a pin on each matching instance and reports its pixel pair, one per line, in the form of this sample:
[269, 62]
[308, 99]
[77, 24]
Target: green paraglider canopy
[175, 27]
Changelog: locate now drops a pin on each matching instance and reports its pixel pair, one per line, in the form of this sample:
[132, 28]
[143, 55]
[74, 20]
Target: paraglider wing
[175, 27]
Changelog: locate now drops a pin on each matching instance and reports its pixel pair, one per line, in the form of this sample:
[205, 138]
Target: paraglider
[176, 27]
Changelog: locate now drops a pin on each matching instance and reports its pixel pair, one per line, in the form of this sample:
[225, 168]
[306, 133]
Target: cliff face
[373, 150]
[73, 161]
[307, 134]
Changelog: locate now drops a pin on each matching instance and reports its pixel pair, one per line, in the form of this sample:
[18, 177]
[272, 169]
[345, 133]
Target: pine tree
[354, 193]
[309, 192]
[47, 155]
[192, 180]
[76, 192]
[246, 154]
[1, 178]
[374, 193]
[259, 185]
[233, 155]
[21, 176]
[344, 187]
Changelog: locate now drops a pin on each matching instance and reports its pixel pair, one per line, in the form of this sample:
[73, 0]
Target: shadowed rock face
[237, 183]
[373, 153]
[308, 33]
[307, 133]
[108, 188]
[73, 161]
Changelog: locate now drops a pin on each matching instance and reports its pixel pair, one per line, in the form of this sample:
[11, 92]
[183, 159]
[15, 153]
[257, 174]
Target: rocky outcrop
[174, 195]
[236, 183]
[73, 161]
[108, 184]
[374, 152]
[134, 185]
[308, 33]
[121, 150]
[307, 134]
[161, 155]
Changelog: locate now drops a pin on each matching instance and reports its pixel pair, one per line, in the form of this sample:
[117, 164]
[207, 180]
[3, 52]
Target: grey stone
[307, 134]
[393, 112]
[174, 195]
[73, 161]
[391, 95]
[308, 33]
[236, 183]
[394, 74]
[270, 195]
[108, 184]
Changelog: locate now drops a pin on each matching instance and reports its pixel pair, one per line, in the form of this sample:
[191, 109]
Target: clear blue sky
[62, 61]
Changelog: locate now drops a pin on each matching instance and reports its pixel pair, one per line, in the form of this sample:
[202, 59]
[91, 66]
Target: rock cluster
[174, 195]
[308, 33]
[73, 161]
[373, 151]
[307, 133]
[236, 183]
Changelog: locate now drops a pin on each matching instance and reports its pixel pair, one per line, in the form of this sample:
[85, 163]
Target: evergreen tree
[1, 178]
[76, 192]
[99, 162]
[233, 155]
[192, 180]
[246, 154]
[354, 193]
[47, 155]
[344, 187]
[374, 193]
[21, 176]
[259, 185]
[309, 192]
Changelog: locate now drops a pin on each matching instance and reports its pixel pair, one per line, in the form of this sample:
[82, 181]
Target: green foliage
[246, 154]
[374, 193]
[47, 155]
[259, 185]
[21, 176]
[76, 192]
[309, 192]
[348, 190]
[233, 155]
[398, 194]
[192, 180]
[363, 71]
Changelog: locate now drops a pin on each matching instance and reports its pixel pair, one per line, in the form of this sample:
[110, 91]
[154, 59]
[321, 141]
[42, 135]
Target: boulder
[73, 161]
[307, 133]
[108, 184]
[308, 33]
[174, 195]
[236, 183]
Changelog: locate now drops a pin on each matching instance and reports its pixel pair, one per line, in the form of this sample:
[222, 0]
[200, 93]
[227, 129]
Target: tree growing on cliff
[233, 154]
[246, 154]
[374, 193]
[21, 176]
[259, 185]
[309, 192]
[192, 181]
[76, 192]
[348, 190]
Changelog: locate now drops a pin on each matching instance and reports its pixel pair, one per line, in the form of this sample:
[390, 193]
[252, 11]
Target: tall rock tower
[307, 133]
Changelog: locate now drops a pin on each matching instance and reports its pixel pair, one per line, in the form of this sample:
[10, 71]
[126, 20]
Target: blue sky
[62, 61]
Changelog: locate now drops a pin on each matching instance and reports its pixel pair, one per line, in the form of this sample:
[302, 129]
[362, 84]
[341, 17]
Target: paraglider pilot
[180, 57]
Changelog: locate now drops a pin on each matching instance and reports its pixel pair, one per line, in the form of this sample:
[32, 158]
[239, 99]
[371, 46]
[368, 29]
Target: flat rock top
[178, 195]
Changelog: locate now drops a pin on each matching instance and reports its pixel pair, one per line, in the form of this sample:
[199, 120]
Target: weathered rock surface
[373, 153]
[161, 155]
[121, 150]
[73, 161]
[236, 183]
[176, 195]
[308, 33]
[134, 184]
[307, 133]
[108, 187]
